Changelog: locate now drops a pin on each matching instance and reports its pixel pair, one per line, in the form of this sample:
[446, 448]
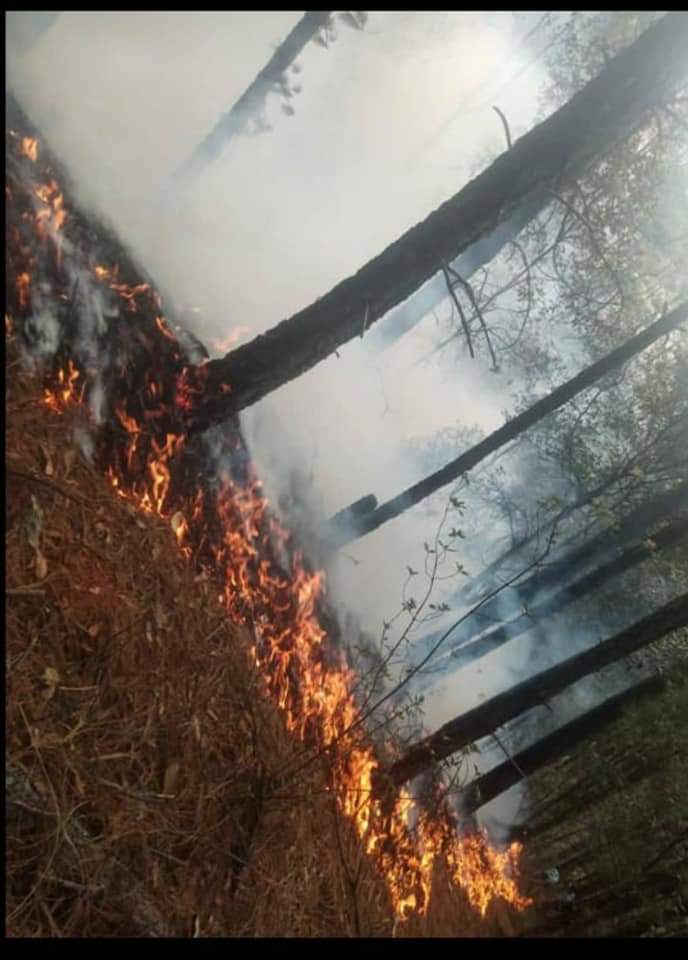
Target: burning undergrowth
[123, 372]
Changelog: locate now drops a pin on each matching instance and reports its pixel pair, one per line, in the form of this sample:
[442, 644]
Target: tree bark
[484, 719]
[605, 111]
[253, 98]
[545, 751]
[511, 429]
[405, 317]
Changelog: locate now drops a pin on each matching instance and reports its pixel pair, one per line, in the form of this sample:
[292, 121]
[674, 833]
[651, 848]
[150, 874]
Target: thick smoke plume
[390, 122]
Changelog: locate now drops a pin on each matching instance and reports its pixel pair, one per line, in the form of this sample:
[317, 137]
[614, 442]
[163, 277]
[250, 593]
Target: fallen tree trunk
[608, 109]
[511, 429]
[405, 317]
[545, 751]
[486, 718]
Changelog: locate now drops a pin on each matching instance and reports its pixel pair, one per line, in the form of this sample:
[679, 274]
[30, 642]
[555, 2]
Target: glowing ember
[164, 329]
[225, 344]
[65, 393]
[29, 147]
[23, 289]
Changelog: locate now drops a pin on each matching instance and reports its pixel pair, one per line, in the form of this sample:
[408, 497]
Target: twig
[464, 322]
[365, 319]
[471, 296]
[45, 482]
[507, 133]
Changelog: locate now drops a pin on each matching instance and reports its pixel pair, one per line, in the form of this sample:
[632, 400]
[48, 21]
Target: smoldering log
[550, 748]
[486, 718]
[608, 109]
[512, 428]
[360, 507]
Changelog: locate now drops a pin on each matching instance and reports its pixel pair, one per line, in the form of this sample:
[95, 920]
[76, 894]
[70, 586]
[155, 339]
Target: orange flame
[23, 289]
[225, 344]
[29, 147]
[65, 393]
[312, 684]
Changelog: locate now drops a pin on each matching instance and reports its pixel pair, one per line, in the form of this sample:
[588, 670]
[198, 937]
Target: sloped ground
[138, 739]
[142, 754]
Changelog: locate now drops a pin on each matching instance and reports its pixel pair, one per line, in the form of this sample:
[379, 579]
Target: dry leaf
[49, 468]
[41, 565]
[51, 678]
[171, 778]
[68, 457]
[196, 724]
[79, 784]
[94, 630]
[159, 615]
[34, 524]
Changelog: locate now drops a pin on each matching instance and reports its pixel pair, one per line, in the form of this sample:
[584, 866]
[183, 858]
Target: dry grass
[138, 737]
[141, 748]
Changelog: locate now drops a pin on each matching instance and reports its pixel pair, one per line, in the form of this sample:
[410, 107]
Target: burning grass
[142, 750]
[174, 598]
[139, 739]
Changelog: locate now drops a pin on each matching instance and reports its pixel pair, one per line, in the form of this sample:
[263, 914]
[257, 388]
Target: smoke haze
[391, 122]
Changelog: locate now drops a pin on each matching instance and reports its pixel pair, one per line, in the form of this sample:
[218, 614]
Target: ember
[222, 520]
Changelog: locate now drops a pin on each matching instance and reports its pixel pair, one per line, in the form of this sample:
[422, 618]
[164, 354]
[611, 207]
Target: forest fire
[222, 523]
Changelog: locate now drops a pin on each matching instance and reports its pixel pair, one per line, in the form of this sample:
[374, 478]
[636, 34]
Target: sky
[391, 121]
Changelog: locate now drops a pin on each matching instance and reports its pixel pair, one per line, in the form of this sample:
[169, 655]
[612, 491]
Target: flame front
[309, 680]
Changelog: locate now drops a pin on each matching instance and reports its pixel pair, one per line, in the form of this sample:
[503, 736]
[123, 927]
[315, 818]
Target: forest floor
[139, 739]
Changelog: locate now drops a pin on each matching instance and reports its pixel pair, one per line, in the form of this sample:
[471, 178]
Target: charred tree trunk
[251, 102]
[524, 763]
[484, 719]
[405, 317]
[608, 109]
[510, 430]
[639, 552]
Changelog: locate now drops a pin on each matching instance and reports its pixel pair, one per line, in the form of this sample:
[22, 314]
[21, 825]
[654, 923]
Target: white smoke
[389, 124]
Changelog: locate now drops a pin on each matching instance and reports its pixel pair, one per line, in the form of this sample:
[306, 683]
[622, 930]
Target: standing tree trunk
[545, 751]
[511, 429]
[251, 102]
[486, 718]
[607, 110]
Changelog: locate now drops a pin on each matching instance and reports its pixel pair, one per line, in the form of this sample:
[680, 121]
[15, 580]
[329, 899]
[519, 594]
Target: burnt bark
[605, 111]
[545, 751]
[486, 718]
[252, 100]
[511, 429]
[404, 318]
